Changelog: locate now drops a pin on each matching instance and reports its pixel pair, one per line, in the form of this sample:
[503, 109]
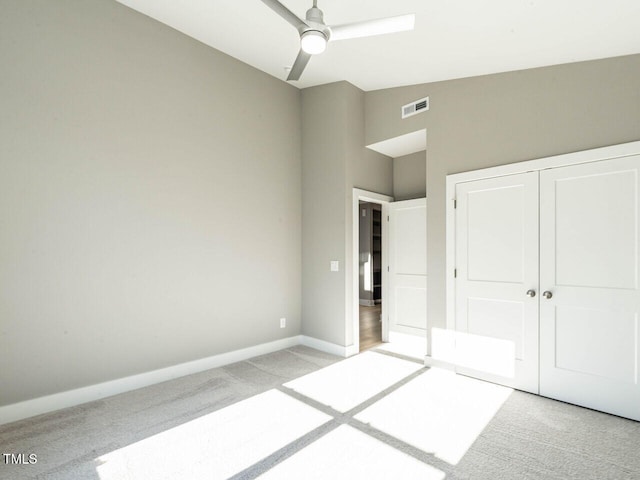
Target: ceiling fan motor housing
[315, 23]
[314, 14]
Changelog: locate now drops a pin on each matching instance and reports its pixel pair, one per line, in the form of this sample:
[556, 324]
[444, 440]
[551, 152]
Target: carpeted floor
[300, 413]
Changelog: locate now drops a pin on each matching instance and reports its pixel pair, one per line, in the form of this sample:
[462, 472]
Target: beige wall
[410, 176]
[499, 119]
[334, 162]
[323, 211]
[149, 214]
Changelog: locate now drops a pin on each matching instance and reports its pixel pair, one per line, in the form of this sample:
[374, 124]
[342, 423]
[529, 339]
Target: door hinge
[455, 203]
[387, 218]
[455, 273]
[388, 268]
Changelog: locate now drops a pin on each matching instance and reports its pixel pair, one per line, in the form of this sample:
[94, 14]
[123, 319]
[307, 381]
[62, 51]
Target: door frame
[574, 158]
[358, 196]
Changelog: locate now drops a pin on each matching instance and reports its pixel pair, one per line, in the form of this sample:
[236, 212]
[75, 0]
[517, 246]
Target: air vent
[416, 107]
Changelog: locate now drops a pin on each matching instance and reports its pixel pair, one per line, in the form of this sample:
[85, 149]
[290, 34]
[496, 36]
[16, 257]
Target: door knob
[547, 294]
[531, 293]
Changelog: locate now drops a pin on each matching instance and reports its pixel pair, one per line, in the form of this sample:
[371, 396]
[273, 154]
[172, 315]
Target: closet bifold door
[589, 295]
[496, 309]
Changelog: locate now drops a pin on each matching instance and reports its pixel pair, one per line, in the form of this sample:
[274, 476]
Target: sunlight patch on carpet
[347, 453]
[217, 445]
[407, 345]
[438, 412]
[350, 382]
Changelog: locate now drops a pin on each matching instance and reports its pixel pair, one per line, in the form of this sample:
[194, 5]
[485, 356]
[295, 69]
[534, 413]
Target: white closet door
[497, 264]
[589, 244]
[408, 267]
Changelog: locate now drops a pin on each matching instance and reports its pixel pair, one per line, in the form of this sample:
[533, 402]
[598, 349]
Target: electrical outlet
[283, 322]
[334, 266]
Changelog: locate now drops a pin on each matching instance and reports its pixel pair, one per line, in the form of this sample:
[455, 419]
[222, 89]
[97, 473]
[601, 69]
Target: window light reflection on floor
[412, 346]
[438, 412]
[217, 445]
[348, 454]
[483, 353]
[348, 383]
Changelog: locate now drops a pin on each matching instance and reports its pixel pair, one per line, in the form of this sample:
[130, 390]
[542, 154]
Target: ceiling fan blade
[285, 13]
[369, 28]
[298, 66]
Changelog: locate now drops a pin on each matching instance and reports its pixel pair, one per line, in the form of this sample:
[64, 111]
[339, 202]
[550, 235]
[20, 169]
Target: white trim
[384, 312]
[351, 350]
[352, 287]
[411, 342]
[70, 398]
[367, 303]
[327, 347]
[431, 362]
[574, 158]
[450, 242]
[403, 337]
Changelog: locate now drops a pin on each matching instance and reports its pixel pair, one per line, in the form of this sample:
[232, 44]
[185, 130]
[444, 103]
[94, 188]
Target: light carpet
[243, 421]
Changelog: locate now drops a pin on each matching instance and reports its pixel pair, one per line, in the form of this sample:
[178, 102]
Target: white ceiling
[452, 38]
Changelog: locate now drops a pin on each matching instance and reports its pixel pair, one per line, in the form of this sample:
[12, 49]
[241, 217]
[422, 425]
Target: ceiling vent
[416, 107]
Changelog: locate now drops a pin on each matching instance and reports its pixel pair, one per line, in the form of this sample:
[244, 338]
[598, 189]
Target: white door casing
[496, 322]
[408, 267]
[352, 288]
[589, 244]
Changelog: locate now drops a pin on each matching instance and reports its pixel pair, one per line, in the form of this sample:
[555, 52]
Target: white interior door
[589, 244]
[408, 267]
[496, 319]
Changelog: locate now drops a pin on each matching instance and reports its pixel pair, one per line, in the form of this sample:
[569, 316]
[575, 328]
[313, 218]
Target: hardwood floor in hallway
[370, 327]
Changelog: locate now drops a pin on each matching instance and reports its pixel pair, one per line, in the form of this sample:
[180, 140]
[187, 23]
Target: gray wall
[323, 211]
[410, 176]
[334, 162]
[148, 217]
[499, 119]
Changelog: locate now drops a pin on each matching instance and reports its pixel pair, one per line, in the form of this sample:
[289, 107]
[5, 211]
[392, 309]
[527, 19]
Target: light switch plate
[335, 266]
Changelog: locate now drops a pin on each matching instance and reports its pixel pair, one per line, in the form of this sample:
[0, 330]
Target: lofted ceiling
[452, 38]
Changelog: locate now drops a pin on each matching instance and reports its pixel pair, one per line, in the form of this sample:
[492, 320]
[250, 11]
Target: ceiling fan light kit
[315, 34]
[313, 42]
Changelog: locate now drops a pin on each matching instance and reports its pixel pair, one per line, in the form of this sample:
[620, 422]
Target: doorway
[370, 274]
[402, 275]
[369, 286]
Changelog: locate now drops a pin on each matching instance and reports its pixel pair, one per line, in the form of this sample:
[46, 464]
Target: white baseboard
[351, 350]
[367, 303]
[328, 347]
[434, 362]
[409, 339]
[70, 398]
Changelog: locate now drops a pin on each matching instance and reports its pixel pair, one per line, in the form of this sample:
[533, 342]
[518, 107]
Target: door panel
[497, 319]
[581, 332]
[497, 263]
[408, 267]
[589, 338]
[495, 246]
[411, 305]
[592, 222]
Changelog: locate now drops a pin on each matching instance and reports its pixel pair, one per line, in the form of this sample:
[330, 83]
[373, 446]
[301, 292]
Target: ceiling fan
[315, 34]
